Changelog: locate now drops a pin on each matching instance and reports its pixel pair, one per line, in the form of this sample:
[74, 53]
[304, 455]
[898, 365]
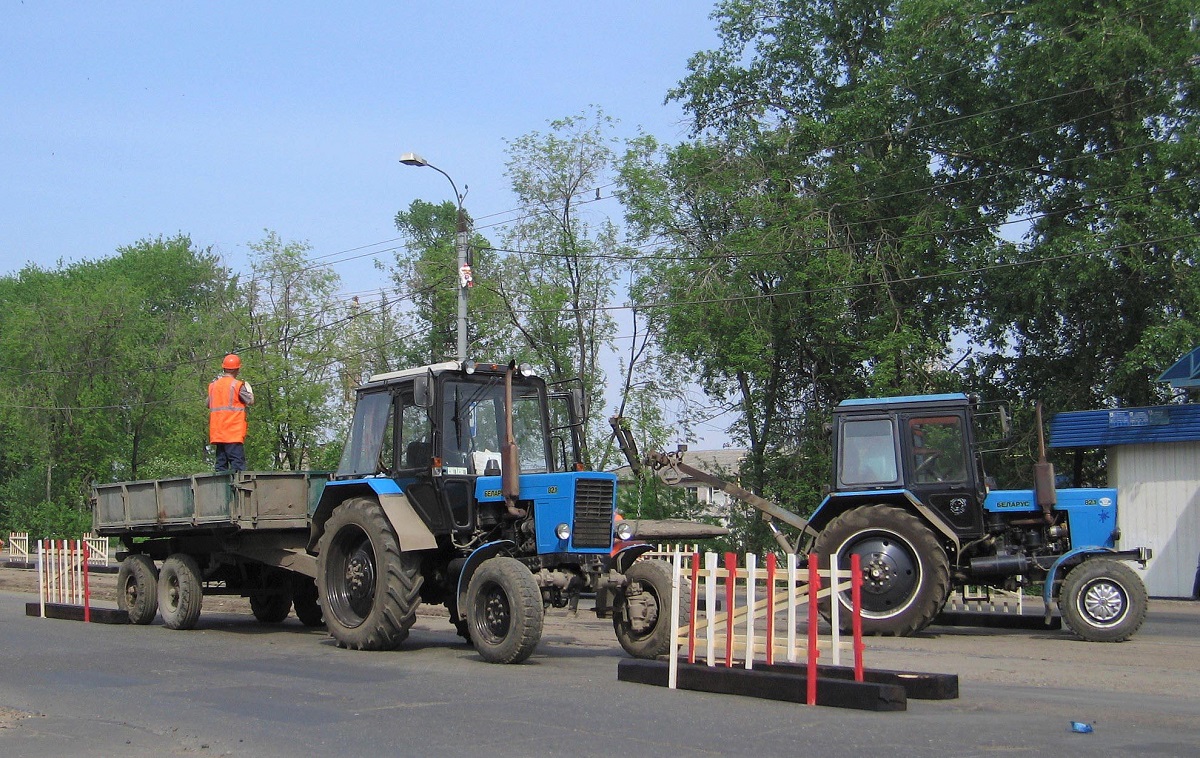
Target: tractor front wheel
[504, 611]
[1103, 600]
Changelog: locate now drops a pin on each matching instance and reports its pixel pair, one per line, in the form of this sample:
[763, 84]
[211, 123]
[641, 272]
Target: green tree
[425, 274]
[295, 324]
[558, 277]
[1101, 143]
[102, 369]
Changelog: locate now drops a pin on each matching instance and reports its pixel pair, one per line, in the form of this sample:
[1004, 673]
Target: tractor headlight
[469, 367]
[563, 531]
[624, 531]
[525, 369]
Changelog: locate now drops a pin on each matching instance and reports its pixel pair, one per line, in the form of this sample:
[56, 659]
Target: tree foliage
[104, 365]
[869, 181]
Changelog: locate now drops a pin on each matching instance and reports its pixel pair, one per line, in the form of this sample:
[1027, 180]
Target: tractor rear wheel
[906, 575]
[504, 611]
[370, 587]
[1103, 600]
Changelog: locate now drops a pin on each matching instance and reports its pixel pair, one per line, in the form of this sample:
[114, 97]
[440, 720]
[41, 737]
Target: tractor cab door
[939, 467]
[565, 429]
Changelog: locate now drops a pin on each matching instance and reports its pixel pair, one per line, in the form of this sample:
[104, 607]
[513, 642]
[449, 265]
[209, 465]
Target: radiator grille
[593, 513]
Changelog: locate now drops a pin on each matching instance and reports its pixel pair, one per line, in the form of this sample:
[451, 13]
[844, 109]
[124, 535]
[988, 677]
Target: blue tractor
[910, 497]
[461, 485]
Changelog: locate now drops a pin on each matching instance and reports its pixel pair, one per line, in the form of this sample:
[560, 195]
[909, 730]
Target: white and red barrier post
[743, 636]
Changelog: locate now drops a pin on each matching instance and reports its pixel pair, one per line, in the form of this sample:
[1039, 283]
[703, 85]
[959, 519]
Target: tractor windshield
[472, 426]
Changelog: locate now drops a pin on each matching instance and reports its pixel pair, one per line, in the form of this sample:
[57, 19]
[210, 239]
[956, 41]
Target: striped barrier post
[814, 586]
[856, 619]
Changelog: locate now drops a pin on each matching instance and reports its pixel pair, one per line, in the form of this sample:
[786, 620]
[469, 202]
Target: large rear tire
[180, 591]
[906, 575]
[370, 589]
[1103, 600]
[641, 611]
[504, 611]
[137, 588]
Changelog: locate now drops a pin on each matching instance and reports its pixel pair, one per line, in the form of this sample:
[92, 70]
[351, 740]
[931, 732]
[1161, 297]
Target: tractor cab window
[937, 449]
[416, 439]
[868, 453]
[472, 427]
[529, 431]
[368, 433]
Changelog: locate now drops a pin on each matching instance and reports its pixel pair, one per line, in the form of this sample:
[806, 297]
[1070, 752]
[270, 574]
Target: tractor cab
[442, 433]
[921, 446]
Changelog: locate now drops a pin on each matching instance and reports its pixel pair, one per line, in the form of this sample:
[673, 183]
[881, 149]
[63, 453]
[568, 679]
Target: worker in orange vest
[228, 398]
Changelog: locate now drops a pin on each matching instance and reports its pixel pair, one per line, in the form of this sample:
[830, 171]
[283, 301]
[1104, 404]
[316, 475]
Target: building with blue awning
[1153, 457]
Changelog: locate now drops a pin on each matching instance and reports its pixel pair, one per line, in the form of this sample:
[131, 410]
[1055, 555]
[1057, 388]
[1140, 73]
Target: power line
[859, 285]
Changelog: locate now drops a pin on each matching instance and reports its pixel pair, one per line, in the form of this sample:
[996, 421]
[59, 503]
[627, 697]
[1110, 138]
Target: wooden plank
[75, 613]
[786, 686]
[997, 620]
[917, 685]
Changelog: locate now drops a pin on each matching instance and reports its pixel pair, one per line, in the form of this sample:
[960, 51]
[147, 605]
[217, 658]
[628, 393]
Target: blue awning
[1126, 426]
[1185, 373]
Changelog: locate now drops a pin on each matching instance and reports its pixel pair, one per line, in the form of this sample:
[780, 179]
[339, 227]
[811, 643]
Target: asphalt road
[235, 687]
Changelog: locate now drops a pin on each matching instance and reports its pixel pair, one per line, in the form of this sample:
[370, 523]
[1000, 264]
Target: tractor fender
[409, 527]
[837, 503]
[1048, 589]
[627, 555]
[473, 562]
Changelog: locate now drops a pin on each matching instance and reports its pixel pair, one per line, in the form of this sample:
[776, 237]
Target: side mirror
[577, 402]
[1005, 423]
[421, 391]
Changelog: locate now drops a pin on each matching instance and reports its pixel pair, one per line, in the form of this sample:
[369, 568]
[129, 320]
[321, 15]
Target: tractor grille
[593, 513]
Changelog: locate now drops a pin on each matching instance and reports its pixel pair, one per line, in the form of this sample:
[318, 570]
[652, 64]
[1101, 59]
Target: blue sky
[127, 120]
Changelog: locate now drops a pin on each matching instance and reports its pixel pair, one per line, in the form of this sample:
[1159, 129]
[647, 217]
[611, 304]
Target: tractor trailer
[460, 485]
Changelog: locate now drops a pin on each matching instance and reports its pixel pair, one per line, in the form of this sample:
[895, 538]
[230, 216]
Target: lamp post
[460, 248]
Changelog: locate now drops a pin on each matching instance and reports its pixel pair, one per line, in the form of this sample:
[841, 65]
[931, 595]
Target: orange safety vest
[226, 411]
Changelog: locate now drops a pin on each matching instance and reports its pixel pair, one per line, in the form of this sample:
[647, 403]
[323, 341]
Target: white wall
[1158, 497]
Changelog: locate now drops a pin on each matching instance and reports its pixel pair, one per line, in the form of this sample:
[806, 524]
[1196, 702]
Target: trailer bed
[230, 502]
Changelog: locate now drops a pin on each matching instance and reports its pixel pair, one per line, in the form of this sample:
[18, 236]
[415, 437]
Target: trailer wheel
[1103, 600]
[137, 588]
[906, 575]
[305, 603]
[504, 611]
[271, 600]
[370, 588]
[180, 591]
[641, 617]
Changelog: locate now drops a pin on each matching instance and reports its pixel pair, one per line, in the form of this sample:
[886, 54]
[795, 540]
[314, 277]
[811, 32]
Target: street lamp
[463, 273]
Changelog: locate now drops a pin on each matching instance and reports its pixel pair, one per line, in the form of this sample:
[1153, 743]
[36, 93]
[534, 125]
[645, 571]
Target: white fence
[762, 620]
[18, 548]
[62, 567]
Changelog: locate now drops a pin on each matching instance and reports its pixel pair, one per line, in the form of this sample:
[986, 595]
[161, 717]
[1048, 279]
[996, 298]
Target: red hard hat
[231, 362]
